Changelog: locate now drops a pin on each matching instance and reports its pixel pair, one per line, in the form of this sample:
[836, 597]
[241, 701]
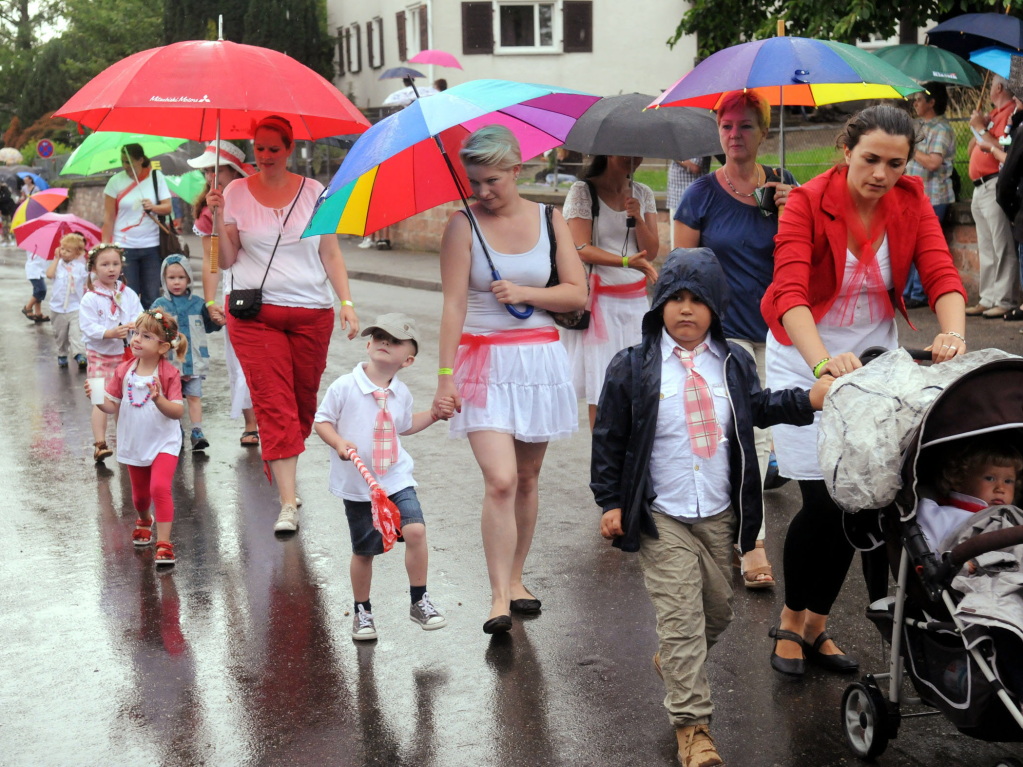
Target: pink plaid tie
[700, 417]
[385, 442]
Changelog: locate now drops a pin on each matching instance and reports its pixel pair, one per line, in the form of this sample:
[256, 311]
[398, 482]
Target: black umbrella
[964, 34]
[618, 125]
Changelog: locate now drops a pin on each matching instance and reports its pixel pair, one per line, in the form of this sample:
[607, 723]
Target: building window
[375, 43]
[341, 50]
[353, 46]
[525, 26]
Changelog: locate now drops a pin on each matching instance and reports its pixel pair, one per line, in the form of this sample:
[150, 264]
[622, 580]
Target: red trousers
[152, 485]
[283, 353]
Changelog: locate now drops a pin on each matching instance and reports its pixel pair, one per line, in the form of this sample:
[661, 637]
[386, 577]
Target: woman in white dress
[619, 258]
[842, 258]
[509, 377]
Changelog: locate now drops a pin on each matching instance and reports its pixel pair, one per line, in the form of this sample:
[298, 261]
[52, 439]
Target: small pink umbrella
[42, 234]
[433, 56]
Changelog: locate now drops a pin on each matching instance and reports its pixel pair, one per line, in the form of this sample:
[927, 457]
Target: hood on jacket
[698, 271]
[175, 258]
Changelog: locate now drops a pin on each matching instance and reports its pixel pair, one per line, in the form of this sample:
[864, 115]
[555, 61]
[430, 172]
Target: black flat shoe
[1013, 315]
[787, 666]
[525, 606]
[499, 625]
[841, 663]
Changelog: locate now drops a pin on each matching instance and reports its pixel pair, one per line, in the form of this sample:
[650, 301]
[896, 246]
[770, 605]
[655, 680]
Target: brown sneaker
[101, 452]
[976, 309]
[696, 747]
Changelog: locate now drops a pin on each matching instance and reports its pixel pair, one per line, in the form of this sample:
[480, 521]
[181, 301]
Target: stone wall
[87, 199]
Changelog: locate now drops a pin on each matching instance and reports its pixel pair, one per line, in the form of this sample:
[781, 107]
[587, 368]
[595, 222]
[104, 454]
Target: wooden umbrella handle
[214, 254]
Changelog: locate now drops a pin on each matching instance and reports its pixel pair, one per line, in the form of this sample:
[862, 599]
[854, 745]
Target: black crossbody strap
[278, 242]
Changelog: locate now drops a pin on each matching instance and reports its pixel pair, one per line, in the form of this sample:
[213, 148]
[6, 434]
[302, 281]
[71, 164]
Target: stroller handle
[983, 543]
[871, 354]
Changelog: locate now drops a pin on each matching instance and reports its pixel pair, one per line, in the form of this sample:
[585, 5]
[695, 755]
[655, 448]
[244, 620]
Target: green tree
[297, 28]
[718, 24]
[102, 32]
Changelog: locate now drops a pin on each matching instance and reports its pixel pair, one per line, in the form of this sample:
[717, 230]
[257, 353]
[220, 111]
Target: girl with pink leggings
[145, 392]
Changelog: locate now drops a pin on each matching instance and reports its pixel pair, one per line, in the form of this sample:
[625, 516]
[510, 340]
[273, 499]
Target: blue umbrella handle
[522, 314]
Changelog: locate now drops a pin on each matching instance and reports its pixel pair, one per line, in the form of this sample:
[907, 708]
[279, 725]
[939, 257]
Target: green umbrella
[187, 186]
[101, 151]
[928, 63]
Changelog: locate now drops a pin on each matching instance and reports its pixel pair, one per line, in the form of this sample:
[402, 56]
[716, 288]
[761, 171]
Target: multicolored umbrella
[41, 202]
[930, 64]
[396, 169]
[42, 235]
[995, 59]
[101, 152]
[434, 56]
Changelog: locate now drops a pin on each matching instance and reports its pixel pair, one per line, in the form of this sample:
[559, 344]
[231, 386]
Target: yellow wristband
[818, 369]
[211, 302]
[445, 372]
[625, 262]
[348, 303]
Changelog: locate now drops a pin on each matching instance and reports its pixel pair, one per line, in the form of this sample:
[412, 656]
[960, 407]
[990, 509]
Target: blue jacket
[623, 436]
[193, 318]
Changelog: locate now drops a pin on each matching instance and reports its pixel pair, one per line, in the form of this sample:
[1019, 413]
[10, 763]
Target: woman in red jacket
[842, 256]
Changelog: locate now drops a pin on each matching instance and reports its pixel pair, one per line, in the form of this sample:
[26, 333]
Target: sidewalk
[404, 268]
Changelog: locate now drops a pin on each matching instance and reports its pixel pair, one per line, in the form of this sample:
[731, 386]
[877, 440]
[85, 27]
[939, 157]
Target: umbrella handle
[214, 254]
[522, 314]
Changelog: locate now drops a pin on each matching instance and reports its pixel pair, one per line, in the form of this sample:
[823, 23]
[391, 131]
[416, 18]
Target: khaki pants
[999, 264]
[687, 577]
[67, 333]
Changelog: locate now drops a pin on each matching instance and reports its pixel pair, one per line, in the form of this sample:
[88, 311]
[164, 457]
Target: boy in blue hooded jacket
[674, 470]
[194, 321]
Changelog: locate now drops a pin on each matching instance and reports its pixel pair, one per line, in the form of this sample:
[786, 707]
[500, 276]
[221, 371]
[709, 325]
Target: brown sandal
[753, 577]
[101, 452]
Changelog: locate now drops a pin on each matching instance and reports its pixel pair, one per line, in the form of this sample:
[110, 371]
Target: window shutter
[399, 18]
[357, 45]
[340, 51]
[578, 26]
[424, 29]
[477, 28]
[370, 32]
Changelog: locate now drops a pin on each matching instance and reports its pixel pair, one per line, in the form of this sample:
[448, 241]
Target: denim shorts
[191, 387]
[38, 288]
[366, 539]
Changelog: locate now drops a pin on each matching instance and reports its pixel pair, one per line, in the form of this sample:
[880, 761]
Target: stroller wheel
[864, 720]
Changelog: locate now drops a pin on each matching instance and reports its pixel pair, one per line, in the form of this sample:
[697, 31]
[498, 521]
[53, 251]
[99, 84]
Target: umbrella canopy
[619, 125]
[794, 71]
[11, 156]
[185, 89]
[998, 60]
[38, 180]
[42, 235]
[101, 152]
[928, 63]
[434, 56]
[187, 186]
[965, 34]
[397, 73]
[396, 170]
[38, 204]
[176, 163]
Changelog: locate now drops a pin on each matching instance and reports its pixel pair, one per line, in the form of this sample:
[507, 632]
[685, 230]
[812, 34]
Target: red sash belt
[597, 331]
[472, 361]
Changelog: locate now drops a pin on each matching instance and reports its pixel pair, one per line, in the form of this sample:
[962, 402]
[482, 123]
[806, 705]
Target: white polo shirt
[689, 487]
[350, 407]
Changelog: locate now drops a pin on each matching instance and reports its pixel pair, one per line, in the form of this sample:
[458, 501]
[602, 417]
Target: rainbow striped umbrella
[396, 169]
[46, 201]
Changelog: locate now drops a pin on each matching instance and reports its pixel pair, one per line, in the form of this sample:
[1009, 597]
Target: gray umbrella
[617, 125]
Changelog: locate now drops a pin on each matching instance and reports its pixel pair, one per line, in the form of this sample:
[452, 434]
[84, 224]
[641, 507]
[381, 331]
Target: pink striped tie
[701, 419]
[385, 441]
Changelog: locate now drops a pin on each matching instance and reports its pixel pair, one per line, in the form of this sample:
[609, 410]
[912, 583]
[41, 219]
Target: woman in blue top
[734, 212]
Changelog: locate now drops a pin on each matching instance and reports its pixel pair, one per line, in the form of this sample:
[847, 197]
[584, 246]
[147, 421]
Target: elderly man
[998, 260]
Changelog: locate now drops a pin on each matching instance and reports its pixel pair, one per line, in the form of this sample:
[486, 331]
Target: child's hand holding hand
[443, 408]
[217, 314]
[820, 389]
[343, 446]
[611, 524]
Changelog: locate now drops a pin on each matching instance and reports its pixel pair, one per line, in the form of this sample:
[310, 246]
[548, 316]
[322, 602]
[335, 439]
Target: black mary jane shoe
[526, 606]
[840, 663]
[1013, 315]
[787, 666]
[499, 625]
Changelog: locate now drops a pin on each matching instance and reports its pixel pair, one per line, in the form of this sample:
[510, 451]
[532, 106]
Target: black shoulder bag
[580, 318]
[170, 245]
[245, 304]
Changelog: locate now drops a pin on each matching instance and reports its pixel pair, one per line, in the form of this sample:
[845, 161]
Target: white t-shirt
[68, 285]
[350, 407]
[296, 276]
[35, 266]
[99, 311]
[132, 227]
[144, 432]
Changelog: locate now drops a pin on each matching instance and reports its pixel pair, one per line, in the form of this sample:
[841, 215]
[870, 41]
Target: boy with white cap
[368, 409]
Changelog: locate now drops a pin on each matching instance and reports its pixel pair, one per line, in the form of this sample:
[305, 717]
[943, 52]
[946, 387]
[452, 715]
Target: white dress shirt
[687, 486]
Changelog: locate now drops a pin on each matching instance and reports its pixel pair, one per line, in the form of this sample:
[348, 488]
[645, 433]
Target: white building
[604, 47]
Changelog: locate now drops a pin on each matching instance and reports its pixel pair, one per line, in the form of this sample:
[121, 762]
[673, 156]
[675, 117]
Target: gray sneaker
[363, 627]
[287, 520]
[426, 615]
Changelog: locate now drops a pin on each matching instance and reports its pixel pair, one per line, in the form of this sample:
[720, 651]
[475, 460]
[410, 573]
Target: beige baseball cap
[397, 325]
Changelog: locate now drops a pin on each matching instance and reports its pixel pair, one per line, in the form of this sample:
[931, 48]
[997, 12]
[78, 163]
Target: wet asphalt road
[242, 655]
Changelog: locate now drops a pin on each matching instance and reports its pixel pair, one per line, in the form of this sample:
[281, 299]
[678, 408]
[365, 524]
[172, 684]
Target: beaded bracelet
[818, 369]
[954, 335]
[445, 372]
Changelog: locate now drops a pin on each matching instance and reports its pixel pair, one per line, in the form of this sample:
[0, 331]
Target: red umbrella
[186, 89]
[42, 235]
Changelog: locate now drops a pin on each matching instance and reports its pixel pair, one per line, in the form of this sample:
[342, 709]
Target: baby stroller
[952, 669]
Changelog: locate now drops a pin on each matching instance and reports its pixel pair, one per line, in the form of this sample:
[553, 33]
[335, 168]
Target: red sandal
[142, 535]
[164, 553]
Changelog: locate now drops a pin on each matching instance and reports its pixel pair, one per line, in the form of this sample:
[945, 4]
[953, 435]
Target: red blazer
[811, 244]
